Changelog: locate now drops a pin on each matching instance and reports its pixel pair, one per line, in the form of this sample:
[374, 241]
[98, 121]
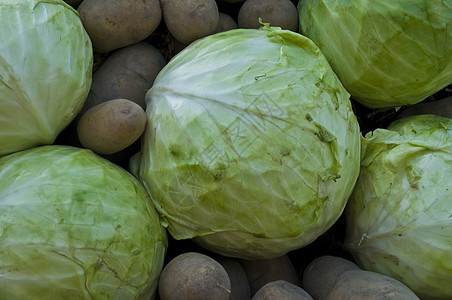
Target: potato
[321, 274]
[240, 287]
[194, 276]
[189, 20]
[111, 126]
[281, 289]
[361, 284]
[118, 23]
[335, 278]
[280, 13]
[261, 272]
[225, 23]
[127, 73]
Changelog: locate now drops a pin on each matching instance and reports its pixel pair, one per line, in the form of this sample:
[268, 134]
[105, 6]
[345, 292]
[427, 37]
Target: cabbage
[386, 53]
[251, 146]
[399, 217]
[45, 71]
[75, 226]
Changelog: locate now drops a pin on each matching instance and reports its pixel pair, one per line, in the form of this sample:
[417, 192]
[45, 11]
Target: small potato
[280, 289]
[111, 126]
[240, 287]
[225, 23]
[189, 20]
[261, 272]
[194, 276]
[118, 23]
[127, 73]
[280, 13]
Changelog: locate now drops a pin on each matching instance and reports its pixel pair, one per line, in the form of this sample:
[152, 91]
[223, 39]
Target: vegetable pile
[225, 149]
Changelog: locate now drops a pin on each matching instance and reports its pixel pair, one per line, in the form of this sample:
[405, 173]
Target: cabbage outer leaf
[251, 146]
[75, 226]
[45, 71]
[386, 53]
[399, 217]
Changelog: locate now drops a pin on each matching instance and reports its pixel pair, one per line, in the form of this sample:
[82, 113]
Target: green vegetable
[75, 226]
[45, 71]
[386, 53]
[399, 217]
[251, 146]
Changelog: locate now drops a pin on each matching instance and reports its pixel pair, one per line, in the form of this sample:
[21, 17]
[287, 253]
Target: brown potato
[189, 20]
[322, 273]
[194, 276]
[335, 278]
[281, 289]
[225, 23]
[119, 23]
[261, 272]
[279, 13]
[127, 73]
[240, 287]
[111, 126]
[361, 284]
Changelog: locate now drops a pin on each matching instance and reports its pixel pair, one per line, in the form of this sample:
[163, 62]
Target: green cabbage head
[45, 71]
[75, 226]
[386, 53]
[251, 146]
[399, 217]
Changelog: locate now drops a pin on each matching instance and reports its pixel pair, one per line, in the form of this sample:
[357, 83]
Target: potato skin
[240, 287]
[225, 23]
[321, 275]
[281, 289]
[361, 284]
[127, 73]
[261, 272]
[111, 126]
[280, 13]
[336, 278]
[114, 24]
[189, 20]
[194, 276]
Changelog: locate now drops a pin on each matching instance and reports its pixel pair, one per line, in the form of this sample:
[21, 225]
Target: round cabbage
[386, 53]
[75, 226]
[45, 71]
[399, 217]
[251, 146]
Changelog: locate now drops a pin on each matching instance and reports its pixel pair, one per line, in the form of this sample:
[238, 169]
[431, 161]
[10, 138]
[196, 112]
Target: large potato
[112, 24]
[361, 284]
[194, 276]
[321, 275]
[188, 20]
[127, 73]
[111, 126]
[335, 278]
